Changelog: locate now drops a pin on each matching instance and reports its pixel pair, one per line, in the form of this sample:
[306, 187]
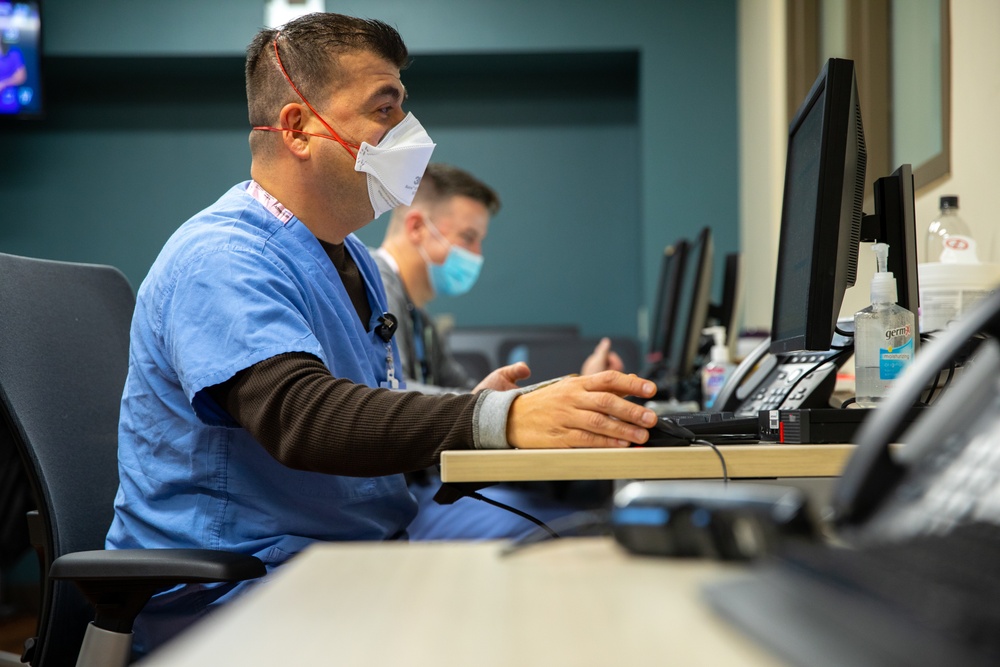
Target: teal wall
[597, 173]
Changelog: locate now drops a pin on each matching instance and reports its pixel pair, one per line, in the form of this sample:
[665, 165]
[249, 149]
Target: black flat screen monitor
[662, 320]
[729, 302]
[821, 212]
[726, 311]
[693, 300]
[895, 223]
[20, 59]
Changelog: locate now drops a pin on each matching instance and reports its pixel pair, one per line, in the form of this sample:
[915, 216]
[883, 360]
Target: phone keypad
[792, 384]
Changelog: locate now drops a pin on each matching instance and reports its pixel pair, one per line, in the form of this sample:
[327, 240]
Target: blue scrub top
[232, 287]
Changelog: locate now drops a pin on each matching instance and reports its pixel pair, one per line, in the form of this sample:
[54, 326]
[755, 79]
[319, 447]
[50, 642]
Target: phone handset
[872, 472]
[746, 378]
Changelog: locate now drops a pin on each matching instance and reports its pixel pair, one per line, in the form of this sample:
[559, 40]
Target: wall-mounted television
[21, 59]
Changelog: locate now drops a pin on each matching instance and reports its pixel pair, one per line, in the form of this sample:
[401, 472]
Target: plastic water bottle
[948, 237]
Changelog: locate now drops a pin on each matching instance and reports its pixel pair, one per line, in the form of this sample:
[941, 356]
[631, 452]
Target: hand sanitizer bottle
[715, 373]
[883, 337]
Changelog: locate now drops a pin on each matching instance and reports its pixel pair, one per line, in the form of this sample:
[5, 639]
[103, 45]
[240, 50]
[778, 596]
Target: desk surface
[577, 602]
[742, 461]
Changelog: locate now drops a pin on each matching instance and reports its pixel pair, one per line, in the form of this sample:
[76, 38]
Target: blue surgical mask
[459, 271]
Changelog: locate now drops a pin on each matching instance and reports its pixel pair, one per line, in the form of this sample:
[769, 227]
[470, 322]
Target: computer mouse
[667, 433]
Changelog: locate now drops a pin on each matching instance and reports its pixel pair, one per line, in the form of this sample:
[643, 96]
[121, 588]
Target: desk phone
[764, 381]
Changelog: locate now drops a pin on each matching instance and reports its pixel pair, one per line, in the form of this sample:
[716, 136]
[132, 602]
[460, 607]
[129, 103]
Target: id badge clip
[386, 330]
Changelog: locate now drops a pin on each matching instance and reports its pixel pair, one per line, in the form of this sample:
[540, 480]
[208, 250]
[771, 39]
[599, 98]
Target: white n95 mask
[396, 165]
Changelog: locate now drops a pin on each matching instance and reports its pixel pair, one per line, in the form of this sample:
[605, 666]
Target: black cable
[934, 381]
[831, 359]
[925, 337]
[577, 524]
[951, 375]
[934, 388]
[722, 459]
[848, 344]
[490, 501]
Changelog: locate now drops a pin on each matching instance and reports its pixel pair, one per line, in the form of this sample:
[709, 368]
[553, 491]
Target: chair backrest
[494, 341]
[475, 364]
[554, 358]
[64, 337]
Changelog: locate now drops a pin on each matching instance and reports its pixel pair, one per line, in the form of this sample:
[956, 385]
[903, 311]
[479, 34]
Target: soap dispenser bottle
[883, 337]
[718, 369]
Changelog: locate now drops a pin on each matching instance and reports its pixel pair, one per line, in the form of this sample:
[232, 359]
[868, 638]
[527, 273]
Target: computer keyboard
[719, 427]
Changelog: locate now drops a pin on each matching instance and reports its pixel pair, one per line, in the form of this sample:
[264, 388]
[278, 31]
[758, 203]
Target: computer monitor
[821, 212]
[895, 223]
[729, 302]
[725, 312]
[20, 59]
[662, 320]
[692, 305]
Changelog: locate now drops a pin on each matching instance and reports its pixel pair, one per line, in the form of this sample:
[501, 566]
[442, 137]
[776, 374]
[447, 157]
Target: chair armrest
[119, 582]
[167, 566]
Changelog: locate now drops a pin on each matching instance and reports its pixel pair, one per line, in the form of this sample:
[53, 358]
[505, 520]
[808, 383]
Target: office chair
[554, 358]
[64, 338]
[492, 340]
[475, 364]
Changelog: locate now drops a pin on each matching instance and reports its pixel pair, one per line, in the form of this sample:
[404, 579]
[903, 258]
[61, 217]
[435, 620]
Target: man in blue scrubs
[260, 413]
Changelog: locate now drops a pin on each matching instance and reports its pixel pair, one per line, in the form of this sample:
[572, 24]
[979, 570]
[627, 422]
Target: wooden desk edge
[742, 461]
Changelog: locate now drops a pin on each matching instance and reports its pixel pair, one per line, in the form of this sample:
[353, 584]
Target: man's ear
[414, 226]
[292, 117]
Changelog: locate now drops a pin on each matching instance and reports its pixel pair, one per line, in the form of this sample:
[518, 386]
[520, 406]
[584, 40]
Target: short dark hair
[308, 46]
[443, 181]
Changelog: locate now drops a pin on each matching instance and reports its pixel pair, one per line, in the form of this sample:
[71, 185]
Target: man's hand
[586, 411]
[603, 358]
[504, 378]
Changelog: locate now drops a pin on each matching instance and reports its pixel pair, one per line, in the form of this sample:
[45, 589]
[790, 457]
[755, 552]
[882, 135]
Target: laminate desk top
[575, 601]
[694, 462]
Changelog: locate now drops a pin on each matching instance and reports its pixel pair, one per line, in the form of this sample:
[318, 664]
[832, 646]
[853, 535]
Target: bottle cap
[949, 201]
